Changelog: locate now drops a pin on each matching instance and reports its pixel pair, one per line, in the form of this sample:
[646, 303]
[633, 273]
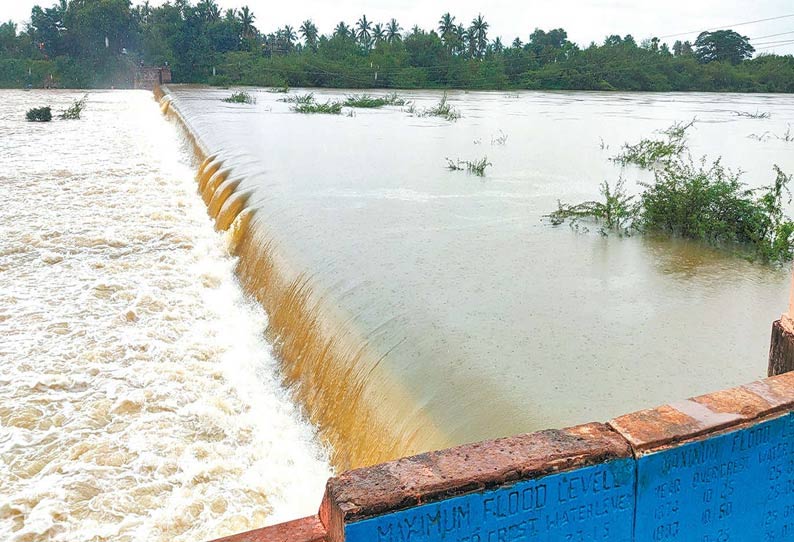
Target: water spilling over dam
[415, 308]
[138, 400]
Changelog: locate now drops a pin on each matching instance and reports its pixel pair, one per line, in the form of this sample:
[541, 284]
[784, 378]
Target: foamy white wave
[138, 400]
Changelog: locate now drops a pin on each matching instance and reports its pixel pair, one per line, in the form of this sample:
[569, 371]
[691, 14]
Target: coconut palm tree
[479, 31]
[342, 30]
[393, 31]
[497, 45]
[378, 33]
[247, 18]
[208, 10]
[364, 33]
[288, 36]
[461, 37]
[309, 32]
[447, 28]
[517, 43]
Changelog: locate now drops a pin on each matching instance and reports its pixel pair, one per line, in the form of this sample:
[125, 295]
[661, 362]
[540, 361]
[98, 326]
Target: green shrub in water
[240, 97]
[73, 113]
[40, 114]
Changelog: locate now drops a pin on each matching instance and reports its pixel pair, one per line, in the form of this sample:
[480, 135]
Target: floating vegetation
[39, 114]
[602, 144]
[330, 108]
[756, 115]
[299, 99]
[240, 97]
[443, 109]
[617, 211]
[651, 153]
[761, 137]
[787, 136]
[370, 102]
[477, 167]
[500, 139]
[279, 90]
[74, 111]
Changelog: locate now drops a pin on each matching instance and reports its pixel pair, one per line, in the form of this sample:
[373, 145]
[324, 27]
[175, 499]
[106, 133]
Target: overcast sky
[585, 20]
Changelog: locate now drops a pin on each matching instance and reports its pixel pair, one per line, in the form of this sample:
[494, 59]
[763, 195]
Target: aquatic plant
[299, 98]
[760, 137]
[476, 167]
[700, 201]
[331, 108]
[240, 97]
[279, 90]
[617, 211]
[442, 109]
[651, 153]
[367, 101]
[787, 136]
[756, 115]
[500, 139]
[73, 113]
[39, 114]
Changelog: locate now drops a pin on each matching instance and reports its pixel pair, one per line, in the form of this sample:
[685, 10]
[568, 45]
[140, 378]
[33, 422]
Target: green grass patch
[330, 108]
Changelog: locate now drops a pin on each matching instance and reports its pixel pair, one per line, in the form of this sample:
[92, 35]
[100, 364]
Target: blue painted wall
[593, 503]
[735, 487]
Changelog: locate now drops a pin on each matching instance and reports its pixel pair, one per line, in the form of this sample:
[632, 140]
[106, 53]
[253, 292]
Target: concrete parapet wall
[715, 468]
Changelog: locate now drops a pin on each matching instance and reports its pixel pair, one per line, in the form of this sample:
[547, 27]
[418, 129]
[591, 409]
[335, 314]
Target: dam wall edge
[715, 467]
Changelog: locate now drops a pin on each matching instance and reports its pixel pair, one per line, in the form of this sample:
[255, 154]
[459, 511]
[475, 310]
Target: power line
[771, 35]
[728, 25]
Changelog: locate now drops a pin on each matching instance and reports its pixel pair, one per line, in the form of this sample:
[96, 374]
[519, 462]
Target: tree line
[96, 43]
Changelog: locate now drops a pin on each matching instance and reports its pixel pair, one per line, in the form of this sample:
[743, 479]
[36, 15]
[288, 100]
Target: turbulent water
[466, 315]
[138, 400]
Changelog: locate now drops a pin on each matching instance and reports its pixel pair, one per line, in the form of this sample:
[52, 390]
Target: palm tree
[497, 45]
[393, 31]
[378, 33]
[447, 28]
[517, 44]
[208, 10]
[309, 32]
[461, 37]
[479, 31]
[289, 37]
[342, 30]
[364, 33]
[247, 18]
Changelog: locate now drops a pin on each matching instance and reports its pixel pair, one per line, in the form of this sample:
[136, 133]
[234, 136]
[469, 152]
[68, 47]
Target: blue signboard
[587, 504]
[734, 487]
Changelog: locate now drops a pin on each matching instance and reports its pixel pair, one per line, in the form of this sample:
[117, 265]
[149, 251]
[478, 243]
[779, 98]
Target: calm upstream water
[477, 317]
[138, 400]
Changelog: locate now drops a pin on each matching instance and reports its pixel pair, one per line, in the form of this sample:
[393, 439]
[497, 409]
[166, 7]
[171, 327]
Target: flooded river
[138, 400]
[423, 307]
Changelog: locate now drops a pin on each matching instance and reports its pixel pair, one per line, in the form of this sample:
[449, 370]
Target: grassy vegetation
[442, 109]
[756, 115]
[39, 114]
[299, 98]
[240, 97]
[476, 167]
[650, 153]
[329, 107]
[279, 90]
[74, 111]
[370, 102]
[700, 200]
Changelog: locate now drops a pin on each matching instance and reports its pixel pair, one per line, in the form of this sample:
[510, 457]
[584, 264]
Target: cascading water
[138, 399]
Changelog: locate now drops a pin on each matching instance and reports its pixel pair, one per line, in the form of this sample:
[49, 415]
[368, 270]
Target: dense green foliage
[694, 200]
[39, 114]
[241, 97]
[83, 43]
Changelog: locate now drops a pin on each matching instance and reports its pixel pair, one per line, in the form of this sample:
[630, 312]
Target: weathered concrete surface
[667, 425]
[781, 347]
[308, 529]
[364, 493]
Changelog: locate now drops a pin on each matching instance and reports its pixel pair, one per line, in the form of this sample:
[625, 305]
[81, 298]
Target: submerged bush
[617, 211]
[476, 167]
[443, 109]
[367, 101]
[299, 98]
[40, 114]
[279, 90]
[650, 153]
[331, 108]
[73, 113]
[241, 97]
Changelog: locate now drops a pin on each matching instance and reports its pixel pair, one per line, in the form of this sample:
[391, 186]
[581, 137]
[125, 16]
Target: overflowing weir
[414, 311]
